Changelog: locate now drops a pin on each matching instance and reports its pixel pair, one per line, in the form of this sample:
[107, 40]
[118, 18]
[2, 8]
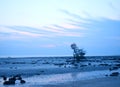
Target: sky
[49, 27]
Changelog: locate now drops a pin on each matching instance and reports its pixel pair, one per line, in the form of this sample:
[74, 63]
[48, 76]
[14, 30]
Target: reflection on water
[61, 78]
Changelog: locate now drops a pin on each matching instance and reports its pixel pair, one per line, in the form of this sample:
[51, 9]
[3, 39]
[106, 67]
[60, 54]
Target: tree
[77, 53]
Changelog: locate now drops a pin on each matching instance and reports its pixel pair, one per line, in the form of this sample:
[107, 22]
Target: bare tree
[77, 53]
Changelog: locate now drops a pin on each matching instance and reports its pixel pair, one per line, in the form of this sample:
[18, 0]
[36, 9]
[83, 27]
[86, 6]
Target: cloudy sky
[49, 27]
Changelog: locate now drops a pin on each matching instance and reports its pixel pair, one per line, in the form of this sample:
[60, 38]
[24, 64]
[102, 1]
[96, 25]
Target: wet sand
[99, 82]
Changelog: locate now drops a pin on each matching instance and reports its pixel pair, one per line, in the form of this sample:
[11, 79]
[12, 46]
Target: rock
[22, 81]
[118, 65]
[114, 68]
[4, 78]
[89, 63]
[106, 75]
[114, 74]
[11, 82]
[83, 65]
[103, 64]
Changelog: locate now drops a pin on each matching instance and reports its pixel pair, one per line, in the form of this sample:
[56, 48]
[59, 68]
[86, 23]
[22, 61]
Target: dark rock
[13, 78]
[113, 68]
[11, 82]
[18, 77]
[4, 78]
[89, 63]
[75, 64]
[118, 65]
[22, 81]
[114, 74]
[103, 64]
[83, 65]
[59, 64]
[106, 75]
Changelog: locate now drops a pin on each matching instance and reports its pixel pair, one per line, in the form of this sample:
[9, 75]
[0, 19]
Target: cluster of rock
[12, 80]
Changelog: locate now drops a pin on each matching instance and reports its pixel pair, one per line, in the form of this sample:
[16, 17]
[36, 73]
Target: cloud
[65, 30]
[71, 14]
[50, 31]
[27, 29]
[98, 29]
[9, 33]
[82, 27]
[68, 26]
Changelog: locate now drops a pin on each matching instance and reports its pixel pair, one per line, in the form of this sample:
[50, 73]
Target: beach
[60, 72]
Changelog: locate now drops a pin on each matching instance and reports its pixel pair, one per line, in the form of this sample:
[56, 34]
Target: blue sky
[49, 27]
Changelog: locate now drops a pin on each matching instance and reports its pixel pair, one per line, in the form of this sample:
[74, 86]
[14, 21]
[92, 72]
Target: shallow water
[39, 80]
[61, 78]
